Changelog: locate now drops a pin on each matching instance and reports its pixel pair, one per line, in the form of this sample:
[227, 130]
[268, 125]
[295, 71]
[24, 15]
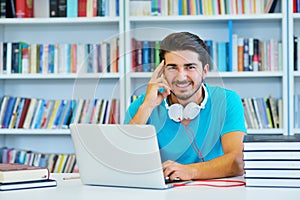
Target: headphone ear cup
[175, 112]
[191, 111]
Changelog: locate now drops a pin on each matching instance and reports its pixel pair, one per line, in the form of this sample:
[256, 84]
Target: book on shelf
[13, 172]
[271, 142]
[270, 6]
[28, 184]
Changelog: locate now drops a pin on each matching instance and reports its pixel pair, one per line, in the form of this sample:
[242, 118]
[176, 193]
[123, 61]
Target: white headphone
[178, 113]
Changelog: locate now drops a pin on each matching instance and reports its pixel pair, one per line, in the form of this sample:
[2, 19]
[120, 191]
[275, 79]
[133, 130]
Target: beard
[185, 96]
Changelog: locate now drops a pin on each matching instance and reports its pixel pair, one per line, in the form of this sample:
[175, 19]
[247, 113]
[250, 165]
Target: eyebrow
[186, 65]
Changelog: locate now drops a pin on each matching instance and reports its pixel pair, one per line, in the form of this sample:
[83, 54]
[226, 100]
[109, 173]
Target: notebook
[118, 155]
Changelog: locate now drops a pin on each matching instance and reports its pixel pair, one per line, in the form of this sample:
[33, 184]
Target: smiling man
[200, 128]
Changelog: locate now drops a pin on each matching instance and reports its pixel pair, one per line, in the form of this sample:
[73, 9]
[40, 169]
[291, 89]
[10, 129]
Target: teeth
[182, 85]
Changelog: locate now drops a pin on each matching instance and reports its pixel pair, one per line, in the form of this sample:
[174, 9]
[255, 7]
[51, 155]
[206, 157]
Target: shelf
[296, 15]
[276, 16]
[61, 76]
[34, 132]
[59, 20]
[220, 74]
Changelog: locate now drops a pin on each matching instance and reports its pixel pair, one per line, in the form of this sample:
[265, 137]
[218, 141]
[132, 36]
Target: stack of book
[19, 176]
[272, 160]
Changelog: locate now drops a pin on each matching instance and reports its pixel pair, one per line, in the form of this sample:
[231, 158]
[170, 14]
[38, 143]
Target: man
[200, 128]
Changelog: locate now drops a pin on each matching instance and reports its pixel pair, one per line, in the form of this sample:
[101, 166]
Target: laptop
[118, 155]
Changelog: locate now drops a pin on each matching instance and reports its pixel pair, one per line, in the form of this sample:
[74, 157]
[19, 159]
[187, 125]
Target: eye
[191, 67]
[171, 67]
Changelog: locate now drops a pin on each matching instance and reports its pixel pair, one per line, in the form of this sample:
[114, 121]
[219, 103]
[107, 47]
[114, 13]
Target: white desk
[74, 190]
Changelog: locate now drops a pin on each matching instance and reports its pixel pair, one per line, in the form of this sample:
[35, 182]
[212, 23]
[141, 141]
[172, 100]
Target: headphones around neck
[178, 113]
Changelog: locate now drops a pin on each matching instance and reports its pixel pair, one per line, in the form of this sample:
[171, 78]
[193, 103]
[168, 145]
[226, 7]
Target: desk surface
[74, 190]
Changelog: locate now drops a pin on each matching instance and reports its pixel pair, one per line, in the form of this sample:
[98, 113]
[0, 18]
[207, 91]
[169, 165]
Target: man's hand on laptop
[175, 170]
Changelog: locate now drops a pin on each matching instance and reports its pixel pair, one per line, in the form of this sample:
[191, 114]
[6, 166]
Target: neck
[172, 99]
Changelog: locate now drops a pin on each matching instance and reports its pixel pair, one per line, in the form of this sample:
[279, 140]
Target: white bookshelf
[294, 76]
[60, 86]
[123, 84]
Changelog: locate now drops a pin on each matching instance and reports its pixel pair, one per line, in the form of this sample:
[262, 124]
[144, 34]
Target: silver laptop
[118, 155]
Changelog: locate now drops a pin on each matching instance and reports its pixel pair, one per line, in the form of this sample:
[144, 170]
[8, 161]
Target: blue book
[41, 58]
[180, 7]
[51, 59]
[222, 60]
[40, 114]
[8, 112]
[67, 117]
[59, 113]
[146, 56]
[117, 8]
[72, 8]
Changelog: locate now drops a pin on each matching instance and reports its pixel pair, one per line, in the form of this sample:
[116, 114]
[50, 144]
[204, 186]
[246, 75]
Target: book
[275, 173]
[271, 142]
[271, 155]
[273, 182]
[13, 173]
[28, 184]
[271, 5]
[272, 164]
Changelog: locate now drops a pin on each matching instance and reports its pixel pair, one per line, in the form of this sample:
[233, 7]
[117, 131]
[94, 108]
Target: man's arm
[230, 164]
[154, 96]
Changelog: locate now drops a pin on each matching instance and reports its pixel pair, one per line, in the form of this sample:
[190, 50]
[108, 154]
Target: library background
[84, 61]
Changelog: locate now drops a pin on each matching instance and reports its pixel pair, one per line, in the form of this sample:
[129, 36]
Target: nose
[182, 73]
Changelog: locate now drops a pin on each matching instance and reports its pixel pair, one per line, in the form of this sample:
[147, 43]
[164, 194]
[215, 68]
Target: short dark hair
[181, 41]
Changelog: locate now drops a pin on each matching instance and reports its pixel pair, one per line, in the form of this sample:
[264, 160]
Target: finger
[160, 68]
[157, 72]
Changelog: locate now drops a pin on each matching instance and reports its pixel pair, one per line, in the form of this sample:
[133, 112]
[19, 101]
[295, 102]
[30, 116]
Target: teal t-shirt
[223, 113]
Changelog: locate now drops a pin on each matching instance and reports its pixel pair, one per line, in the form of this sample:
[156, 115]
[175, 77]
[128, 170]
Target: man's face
[184, 74]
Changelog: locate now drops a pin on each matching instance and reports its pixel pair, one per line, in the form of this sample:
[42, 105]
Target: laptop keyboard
[168, 180]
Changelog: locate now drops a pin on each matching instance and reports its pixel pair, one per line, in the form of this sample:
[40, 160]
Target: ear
[205, 71]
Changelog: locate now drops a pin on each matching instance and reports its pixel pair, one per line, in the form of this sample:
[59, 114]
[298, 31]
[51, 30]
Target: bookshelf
[294, 75]
[79, 85]
[219, 28]
[125, 83]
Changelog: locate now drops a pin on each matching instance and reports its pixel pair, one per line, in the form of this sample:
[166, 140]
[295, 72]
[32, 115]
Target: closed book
[53, 8]
[272, 164]
[20, 8]
[72, 8]
[8, 112]
[2, 8]
[24, 112]
[275, 173]
[271, 142]
[82, 8]
[62, 8]
[12, 173]
[271, 155]
[273, 182]
[28, 185]
[41, 8]
[10, 9]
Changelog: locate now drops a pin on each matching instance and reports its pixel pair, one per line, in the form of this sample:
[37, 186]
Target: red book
[82, 8]
[20, 8]
[24, 112]
[29, 8]
[95, 5]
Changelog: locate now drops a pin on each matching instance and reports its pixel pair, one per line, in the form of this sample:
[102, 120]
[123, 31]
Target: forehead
[185, 56]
